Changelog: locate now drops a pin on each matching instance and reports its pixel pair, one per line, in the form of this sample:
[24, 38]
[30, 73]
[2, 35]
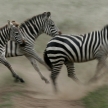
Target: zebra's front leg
[71, 72]
[30, 52]
[34, 64]
[5, 62]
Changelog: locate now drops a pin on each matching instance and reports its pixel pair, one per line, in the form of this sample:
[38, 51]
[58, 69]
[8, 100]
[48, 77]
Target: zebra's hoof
[19, 80]
[47, 82]
[22, 81]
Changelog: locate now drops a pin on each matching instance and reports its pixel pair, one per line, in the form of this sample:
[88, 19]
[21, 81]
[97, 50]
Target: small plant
[6, 99]
[97, 99]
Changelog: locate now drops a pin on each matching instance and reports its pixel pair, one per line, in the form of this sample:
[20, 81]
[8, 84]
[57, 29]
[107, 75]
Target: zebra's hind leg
[34, 64]
[54, 73]
[71, 71]
[5, 62]
[101, 64]
[105, 71]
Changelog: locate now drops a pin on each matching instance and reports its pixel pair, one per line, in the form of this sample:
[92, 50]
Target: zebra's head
[15, 34]
[49, 26]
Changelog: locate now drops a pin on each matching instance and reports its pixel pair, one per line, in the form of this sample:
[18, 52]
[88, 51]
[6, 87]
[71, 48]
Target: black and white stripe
[67, 49]
[9, 32]
[31, 29]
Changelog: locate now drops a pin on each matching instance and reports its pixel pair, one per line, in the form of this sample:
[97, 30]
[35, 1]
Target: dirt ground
[37, 94]
[29, 102]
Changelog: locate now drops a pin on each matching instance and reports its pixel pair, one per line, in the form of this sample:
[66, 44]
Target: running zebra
[67, 49]
[10, 32]
[31, 29]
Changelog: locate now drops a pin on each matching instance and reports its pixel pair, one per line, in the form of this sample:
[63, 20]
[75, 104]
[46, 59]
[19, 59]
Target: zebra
[68, 49]
[10, 32]
[31, 29]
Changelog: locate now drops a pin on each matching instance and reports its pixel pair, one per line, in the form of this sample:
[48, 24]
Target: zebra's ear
[9, 23]
[46, 15]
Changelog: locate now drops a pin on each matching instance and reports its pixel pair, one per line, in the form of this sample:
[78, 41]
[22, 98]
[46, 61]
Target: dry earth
[37, 94]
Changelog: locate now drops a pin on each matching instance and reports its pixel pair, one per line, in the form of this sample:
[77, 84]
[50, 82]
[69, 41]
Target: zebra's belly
[83, 60]
[80, 58]
[13, 54]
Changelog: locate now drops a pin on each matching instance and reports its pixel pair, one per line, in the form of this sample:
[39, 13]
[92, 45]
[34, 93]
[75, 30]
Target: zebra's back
[74, 48]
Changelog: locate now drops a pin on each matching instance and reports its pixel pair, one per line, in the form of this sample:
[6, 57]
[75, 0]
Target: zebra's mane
[105, 27]
[29, 19]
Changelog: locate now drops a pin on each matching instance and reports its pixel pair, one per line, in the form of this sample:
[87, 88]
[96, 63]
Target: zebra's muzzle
[23, 43]
[60, 32]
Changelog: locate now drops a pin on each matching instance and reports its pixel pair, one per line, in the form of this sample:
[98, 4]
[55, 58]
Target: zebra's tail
[46, 59]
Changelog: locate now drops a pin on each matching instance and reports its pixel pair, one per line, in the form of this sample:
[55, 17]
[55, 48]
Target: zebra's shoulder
[72, 38]
[77, 37]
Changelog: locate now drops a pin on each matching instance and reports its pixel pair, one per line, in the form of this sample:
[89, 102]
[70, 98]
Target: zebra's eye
[16, 33]
[52, 25]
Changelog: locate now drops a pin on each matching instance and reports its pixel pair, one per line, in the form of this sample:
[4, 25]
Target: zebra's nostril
[23, 43]
[60, 32]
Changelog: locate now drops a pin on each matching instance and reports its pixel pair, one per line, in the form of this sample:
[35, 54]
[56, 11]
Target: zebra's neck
[4, 35]
[32, 28]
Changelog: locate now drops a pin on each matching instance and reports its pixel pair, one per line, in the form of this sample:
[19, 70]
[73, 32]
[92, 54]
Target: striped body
[9, 32]
[74, 48]
[67, 49]
[31, 29]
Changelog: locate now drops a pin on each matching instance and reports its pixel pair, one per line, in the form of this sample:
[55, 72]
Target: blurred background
[72, 17]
